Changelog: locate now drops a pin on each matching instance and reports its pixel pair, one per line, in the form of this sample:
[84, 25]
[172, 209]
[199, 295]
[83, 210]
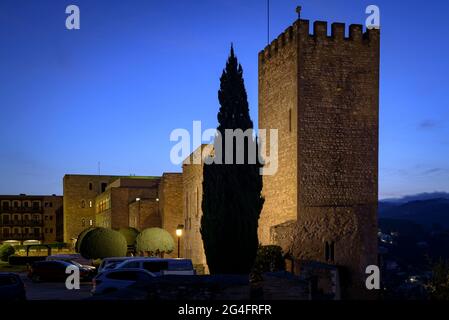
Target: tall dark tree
[232, 199]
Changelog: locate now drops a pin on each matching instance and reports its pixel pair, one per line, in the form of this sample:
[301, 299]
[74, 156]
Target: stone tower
[322, 93]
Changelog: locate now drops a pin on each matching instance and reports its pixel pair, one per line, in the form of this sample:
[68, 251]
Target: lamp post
[179, 235]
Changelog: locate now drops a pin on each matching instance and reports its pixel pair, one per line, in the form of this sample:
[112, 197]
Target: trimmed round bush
[80, 238]
[269, 259]
[102, 243]
[6, 250]
[155, 241]
[130, 235]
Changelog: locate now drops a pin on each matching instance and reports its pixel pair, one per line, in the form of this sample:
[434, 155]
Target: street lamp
[179, 235]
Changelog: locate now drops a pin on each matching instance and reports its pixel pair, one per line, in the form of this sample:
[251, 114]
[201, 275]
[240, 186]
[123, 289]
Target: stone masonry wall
[170, 201]
[76, 190]
[278, 110]
[192, 212]
[144, 214]
[337, 141]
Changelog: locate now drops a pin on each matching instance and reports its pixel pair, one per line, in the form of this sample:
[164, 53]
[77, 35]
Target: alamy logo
[73, 280]
[373, 280]
[373, 20]
[73, 20]
[238, 146]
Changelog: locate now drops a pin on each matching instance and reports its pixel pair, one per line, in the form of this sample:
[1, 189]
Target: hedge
[155, 241]
[6, 250]
[103, 243]
[22, 260]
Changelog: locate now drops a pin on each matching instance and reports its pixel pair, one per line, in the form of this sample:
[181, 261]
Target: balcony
[21, 210]
[19, 223]
[21, 236]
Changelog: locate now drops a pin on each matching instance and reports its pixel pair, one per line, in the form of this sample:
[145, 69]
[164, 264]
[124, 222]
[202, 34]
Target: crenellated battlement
[319, 33]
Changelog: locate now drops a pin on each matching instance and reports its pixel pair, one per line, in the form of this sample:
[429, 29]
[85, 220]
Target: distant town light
[157, 199]
[137, 199]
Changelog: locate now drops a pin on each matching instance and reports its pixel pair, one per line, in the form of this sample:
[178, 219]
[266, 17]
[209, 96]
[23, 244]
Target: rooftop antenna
[268, 21]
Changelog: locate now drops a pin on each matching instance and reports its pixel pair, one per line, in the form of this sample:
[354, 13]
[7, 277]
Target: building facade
[322, 93]
[30, 218]
[122, 201]
[192, 179]
[113, 205]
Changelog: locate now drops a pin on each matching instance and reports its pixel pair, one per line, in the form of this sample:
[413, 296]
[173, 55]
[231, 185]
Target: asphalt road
[54, 290]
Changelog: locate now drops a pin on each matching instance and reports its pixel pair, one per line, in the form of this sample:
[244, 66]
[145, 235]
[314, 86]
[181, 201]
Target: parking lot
[54, 290]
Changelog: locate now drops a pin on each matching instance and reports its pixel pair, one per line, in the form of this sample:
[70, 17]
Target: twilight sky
[113, 91]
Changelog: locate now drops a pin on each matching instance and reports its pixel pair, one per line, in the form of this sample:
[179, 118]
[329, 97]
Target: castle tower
[322, 93]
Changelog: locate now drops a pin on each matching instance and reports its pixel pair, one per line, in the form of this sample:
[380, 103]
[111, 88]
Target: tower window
[332, 248]
[103, 186]
[329, 251]
[90, 186]
[289, 120]
[83, 204]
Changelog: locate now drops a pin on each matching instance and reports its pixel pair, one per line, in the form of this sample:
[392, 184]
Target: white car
[160, 266]
[112, 280]
[111, 263]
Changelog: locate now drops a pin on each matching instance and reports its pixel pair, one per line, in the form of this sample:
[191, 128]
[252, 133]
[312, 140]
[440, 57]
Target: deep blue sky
[114, 90]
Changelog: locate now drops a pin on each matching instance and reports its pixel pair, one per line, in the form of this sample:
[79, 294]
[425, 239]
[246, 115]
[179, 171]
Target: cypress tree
[232, 199]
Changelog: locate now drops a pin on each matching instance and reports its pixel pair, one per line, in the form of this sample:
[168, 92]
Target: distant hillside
[425, 212]
[419, 196]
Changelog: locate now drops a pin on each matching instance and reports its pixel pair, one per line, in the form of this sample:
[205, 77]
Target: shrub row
[21, 261]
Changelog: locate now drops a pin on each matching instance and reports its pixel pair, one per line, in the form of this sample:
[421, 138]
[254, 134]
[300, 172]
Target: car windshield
[110, 265]
[76, 264]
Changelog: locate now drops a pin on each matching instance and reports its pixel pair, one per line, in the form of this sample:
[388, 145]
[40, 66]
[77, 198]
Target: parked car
[110, 281]
[55, 271]
[12, 287]
[160, 266]
[72, 257]
[112, 262]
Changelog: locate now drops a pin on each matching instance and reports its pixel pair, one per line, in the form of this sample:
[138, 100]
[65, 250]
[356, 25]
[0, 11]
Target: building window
[83, 204]
[90, 203]
[16, 204]
[51, 230]
[90, 186]
[290, 120]
[91, 223]
[26, 204]
[51, 217]
[103, 186]
[46, 217]
[5, 205]
[198, 204]
[329, 251]
[46, 230]
[83, 222]
[51, 204]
